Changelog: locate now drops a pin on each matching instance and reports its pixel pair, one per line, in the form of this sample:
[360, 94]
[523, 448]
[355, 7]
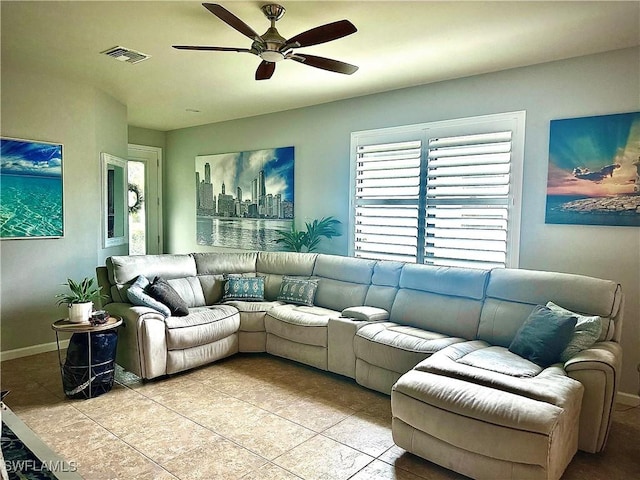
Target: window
[441, 193]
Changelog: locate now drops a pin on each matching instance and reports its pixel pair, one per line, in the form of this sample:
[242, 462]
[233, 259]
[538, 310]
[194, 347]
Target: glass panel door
[137, 208]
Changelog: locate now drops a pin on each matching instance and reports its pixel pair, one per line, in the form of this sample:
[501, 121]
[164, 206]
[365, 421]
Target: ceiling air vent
[126, 55]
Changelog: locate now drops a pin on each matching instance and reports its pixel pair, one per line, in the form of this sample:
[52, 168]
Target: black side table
[90, 364]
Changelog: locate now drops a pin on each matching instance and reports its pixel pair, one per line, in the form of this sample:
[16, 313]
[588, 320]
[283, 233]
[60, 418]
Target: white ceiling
[398, 44]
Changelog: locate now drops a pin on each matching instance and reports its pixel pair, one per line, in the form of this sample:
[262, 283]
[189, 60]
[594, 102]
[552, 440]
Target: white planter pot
[80, 312]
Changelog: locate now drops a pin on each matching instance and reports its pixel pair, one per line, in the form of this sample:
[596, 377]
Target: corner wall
[592, 85]
[86, 121]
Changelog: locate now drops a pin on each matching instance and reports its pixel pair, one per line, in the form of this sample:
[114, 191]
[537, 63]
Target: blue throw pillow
[250, 289]
[586, 333]
[543, 336]
[137, 296]
[298, 290]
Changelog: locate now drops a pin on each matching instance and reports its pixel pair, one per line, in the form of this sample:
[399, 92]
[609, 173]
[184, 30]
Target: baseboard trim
[32, 350]
[628, 399]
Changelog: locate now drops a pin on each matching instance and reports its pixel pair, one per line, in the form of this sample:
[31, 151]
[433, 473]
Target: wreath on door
[135, 198]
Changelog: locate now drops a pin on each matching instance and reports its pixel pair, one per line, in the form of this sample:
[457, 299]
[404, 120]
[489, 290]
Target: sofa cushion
[298, 290]
[138, 296]
[275, 265]
[466, 361]
[165, 293]
[126, 268]
[452, 316]
[189, 289]
[301, 324]
[543, 336]
[397, 347]
[201, 326]
[597, 296]
[522, 427]
[243, 288]
[220, 263]
[252, 314]
[451, 281]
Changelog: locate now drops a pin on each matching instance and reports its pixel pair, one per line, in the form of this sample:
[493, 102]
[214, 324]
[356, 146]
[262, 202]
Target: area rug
[27, 457]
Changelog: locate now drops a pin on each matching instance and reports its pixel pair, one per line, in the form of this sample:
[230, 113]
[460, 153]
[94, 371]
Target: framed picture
[594, 170]
[243, 199]
[31, 189]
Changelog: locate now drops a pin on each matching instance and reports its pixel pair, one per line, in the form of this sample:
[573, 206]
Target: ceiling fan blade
[322, 34]
[211, 49]
[231, 20]
[325, 63]
[265, 70]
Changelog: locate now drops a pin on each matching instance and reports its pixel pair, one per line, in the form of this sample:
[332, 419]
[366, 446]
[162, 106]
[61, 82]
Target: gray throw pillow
[586, 333]
[165, 293]
[137, 296]
[543, 336]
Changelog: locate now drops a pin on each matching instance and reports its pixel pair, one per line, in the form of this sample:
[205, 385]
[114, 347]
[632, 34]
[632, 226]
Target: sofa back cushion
[384, 284]
[212, 263]
[343, 281]
[275, 265]
[442, 299]
[190, 290]
[212, 267]
[512, 294]
[125, 269]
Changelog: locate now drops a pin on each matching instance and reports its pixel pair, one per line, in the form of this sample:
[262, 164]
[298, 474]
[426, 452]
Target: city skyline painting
[244, 198]
[31, 189]
[594, 170]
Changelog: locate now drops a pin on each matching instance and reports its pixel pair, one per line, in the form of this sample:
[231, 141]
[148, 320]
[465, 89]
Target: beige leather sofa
[459, 397]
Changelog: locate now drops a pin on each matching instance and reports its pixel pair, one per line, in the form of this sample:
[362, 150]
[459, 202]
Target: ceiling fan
[272, 47]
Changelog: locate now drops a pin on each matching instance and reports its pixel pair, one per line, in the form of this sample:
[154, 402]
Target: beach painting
[31, 194]
[594, 171]
[243, 199]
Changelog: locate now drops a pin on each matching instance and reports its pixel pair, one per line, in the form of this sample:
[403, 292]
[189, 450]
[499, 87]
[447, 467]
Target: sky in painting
[594, 156]
[240, 169]
[19, 157]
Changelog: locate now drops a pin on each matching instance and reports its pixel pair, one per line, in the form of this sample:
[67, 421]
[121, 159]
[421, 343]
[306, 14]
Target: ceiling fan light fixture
[271, 56]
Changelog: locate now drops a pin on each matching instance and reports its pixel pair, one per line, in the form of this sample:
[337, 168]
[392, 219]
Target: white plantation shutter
[468, 179]
[442, 193]
[387, 191]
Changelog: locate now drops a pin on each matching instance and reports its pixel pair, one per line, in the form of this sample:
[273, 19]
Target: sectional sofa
[439, 340]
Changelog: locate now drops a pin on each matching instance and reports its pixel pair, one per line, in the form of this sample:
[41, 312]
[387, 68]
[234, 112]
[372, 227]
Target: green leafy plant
[80, 292]
[299, 240]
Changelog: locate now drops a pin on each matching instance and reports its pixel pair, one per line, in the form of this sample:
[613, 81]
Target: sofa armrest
[142, 346]
[598, 369]
[366, 313]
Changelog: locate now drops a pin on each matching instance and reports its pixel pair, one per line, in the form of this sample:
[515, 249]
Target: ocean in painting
[620, 210]
[242, 233]
[30, 206]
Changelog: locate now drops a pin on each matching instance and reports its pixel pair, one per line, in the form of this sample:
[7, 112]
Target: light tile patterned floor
[251, 417]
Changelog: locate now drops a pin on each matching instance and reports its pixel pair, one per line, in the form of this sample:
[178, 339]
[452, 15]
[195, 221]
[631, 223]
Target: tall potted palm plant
[308, 240]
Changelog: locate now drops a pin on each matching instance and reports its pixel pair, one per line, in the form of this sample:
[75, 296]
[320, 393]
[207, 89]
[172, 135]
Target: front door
[145, 207]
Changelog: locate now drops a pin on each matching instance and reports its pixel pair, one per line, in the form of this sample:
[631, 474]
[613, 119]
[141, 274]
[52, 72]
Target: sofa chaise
[439, 340]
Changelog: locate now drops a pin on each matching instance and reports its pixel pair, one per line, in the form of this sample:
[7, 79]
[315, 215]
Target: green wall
[86, 121]
[591, 85]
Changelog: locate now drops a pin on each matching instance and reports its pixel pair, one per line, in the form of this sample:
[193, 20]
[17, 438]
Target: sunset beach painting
[594, 170]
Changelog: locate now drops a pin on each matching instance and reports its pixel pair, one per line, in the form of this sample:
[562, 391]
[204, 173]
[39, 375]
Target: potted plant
[298, 240]
[80, 299]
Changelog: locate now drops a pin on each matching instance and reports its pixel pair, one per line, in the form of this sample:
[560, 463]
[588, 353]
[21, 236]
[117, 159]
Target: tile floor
[251, 417]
